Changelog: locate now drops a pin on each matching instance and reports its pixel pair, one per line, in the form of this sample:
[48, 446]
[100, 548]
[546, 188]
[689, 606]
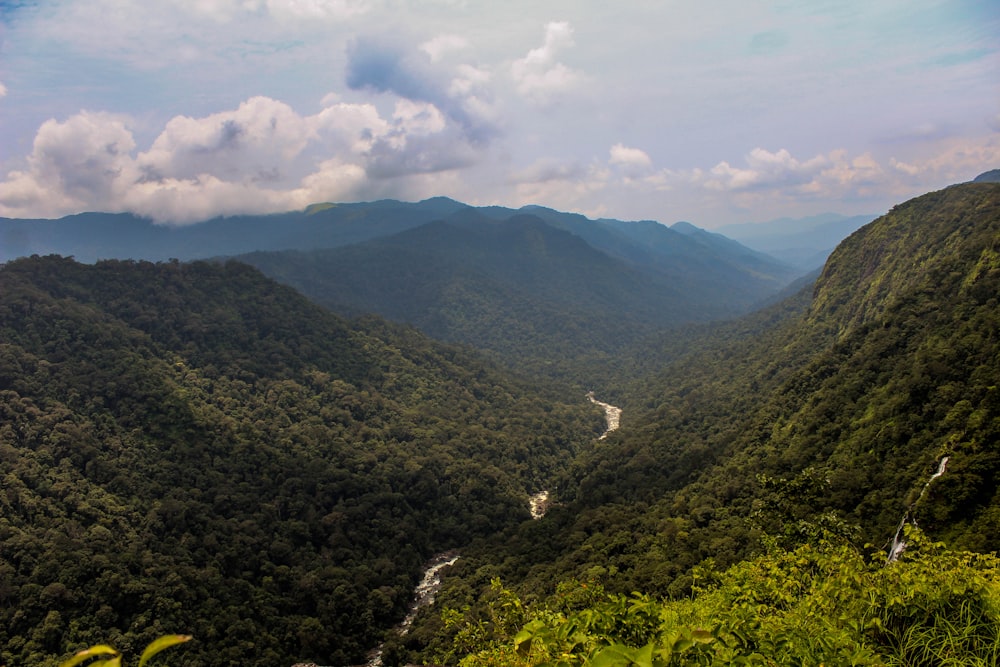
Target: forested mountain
[192, 447]
[538, 288]
[824, 415]
[539, 293]
[92, 236]
[195, 448]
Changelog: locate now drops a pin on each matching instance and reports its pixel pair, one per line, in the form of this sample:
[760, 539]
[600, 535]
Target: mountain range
[535, 287]
[196, 447]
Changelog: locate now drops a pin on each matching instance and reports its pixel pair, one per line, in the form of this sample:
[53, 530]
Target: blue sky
[715, 112]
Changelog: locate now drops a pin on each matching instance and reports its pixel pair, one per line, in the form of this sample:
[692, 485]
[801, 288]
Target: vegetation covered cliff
[818, 419]
[194, 446]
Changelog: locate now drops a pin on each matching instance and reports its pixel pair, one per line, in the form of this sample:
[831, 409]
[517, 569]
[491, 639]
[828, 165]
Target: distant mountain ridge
[528, 284]
[801, 242]
[535, 286]
[89, 237]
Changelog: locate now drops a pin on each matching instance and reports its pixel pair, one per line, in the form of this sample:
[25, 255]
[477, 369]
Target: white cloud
[417, 118]
[764, 169]
[440, 46]
[539, 76]
[3, 90]
[388, 65]
[79, 162]
[565, 185]
[633, 161]
[469, 80]
[777, 181]
[352, 127]
[261, 136]
[433, 88]
[236, 161]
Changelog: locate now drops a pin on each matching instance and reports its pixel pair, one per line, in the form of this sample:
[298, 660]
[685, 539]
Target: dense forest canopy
[195, 448]
[546, 292]
[822, 415]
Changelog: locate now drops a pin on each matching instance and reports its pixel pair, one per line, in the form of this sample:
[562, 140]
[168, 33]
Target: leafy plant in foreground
[103, 651]
[826, 603]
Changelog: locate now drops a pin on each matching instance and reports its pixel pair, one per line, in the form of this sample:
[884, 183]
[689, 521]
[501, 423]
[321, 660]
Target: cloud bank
[183, 110]
[237, 161]
[248, 160]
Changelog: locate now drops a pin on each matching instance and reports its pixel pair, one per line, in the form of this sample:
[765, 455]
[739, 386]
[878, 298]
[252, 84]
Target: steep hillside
[824, 415]
[680, 253]
[194, 448]
[539, 295]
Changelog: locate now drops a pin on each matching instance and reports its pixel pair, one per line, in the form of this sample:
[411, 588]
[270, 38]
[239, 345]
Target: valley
[272, 452]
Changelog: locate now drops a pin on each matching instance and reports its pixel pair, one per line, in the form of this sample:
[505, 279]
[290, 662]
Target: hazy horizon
[182, 110]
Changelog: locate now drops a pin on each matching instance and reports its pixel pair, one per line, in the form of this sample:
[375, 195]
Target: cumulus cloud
[632, 161]
[779, 181]
[3, 90]
[391, 66]
[258, 137]
[539, 76]
[764, 169]
[235, 161]
[831, 174]
[438, 47]
[74, 166]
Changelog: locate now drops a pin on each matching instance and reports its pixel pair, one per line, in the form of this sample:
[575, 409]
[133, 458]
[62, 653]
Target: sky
[714, 111]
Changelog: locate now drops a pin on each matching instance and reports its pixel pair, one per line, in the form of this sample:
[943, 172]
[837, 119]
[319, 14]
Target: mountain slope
[679, 255]
[539, 296]
[825, 414]
[196, 448]
[892, 368]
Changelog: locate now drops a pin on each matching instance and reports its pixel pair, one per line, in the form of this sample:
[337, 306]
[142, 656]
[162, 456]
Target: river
[423, 596]
[430, 583]
[612, 414]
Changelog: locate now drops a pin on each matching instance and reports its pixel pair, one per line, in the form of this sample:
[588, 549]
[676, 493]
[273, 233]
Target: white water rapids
[429, 585]
[898, 544]
[423, 596]
[612, 414]
[538, 503]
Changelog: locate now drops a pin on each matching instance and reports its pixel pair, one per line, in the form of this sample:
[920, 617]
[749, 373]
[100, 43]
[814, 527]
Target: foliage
[823, 603]
[544, 292]
[156, 646]
[194, 446]
[826, 413]
[193, 443]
